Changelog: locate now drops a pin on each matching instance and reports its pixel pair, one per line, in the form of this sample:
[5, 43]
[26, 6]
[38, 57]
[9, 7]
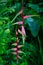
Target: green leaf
[33, 25]
[2, 49]
[13, 63]
[32, 48]
[24, 63]
[34, 6]
[1, 61]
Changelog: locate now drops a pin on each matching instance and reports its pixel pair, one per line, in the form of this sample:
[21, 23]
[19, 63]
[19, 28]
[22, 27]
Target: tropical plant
[21, 31]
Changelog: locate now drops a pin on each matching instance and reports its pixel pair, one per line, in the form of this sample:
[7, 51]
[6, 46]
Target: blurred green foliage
[33, 47]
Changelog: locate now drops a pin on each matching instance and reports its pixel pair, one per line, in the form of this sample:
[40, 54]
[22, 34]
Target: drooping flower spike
[22, 32]
[16, 51]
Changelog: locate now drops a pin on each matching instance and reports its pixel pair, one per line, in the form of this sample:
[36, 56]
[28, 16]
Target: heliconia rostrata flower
[22, 32]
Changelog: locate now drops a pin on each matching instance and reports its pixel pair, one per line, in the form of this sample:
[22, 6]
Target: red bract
[19, 31]
[21, 11]
[14, 49]
[27, 16]
[20, 22]
[20, 46]
[23, 30]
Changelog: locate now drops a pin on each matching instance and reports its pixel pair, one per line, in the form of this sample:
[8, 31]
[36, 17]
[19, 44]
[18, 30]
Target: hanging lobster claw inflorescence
[17, 47]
